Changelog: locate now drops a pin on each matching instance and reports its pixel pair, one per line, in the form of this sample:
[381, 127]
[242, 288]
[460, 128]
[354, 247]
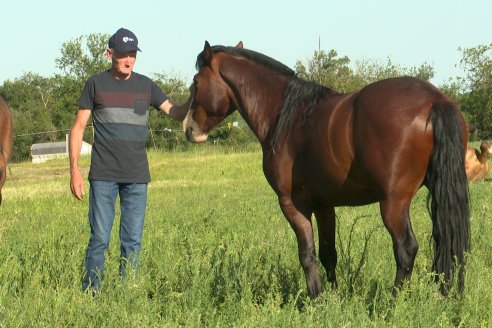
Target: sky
[172, 33]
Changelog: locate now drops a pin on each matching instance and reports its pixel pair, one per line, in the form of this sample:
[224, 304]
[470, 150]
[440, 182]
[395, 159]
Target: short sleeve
[87, 96]
[157, 95]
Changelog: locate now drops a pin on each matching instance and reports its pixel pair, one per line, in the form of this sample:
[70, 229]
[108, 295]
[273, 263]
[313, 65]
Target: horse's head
[486, 146]
[212, 97]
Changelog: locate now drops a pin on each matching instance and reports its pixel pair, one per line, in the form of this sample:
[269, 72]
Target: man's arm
[75, 143]
[177, 112]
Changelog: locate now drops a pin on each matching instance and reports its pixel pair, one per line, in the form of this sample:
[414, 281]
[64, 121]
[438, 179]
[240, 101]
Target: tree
[66, 92]
[328, 69]
[84, 56]
[80, 58]
[43, 108]
[31, 101]
[476, 100]
[165, 133]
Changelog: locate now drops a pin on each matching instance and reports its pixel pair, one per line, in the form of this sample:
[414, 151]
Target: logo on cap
[123, 41]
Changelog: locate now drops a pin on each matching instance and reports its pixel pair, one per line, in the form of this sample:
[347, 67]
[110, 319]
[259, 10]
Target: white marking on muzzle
[192, 130]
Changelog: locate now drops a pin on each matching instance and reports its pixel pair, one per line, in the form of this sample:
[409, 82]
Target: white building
[41, 152]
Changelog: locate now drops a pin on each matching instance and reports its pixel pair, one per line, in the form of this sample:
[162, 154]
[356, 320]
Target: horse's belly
[337, 180]
[349, 193]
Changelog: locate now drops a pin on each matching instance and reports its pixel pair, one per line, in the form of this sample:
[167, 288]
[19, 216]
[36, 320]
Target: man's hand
[77, 184]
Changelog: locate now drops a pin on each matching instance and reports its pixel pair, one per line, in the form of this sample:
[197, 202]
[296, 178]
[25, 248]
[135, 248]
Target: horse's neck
[256, 103]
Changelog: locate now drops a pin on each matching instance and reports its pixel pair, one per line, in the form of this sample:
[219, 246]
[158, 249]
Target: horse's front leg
[299, 218]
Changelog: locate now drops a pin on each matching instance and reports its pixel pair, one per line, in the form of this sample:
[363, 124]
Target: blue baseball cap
[123, 41]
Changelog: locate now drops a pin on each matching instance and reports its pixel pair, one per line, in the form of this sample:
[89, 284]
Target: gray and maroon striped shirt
[120, 114]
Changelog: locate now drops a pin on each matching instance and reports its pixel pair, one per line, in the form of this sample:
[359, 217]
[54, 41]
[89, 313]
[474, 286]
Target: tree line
[43, 108]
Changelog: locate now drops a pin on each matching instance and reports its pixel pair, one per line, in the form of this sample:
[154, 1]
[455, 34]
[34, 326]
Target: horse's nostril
[189, 131]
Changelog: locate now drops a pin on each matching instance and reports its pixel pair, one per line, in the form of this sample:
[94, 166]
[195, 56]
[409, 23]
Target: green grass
[218, 253]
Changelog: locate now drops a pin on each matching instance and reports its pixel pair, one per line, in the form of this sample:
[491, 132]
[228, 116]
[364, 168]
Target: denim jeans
[102, 199]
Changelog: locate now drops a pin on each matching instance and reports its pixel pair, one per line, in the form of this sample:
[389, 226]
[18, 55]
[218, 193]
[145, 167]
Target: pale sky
[172, 33]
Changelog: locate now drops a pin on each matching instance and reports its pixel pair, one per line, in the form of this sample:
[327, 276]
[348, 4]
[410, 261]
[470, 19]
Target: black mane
[300, 95]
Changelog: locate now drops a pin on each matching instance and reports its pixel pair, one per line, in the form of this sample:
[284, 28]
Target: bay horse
[323, 149]
[6, 141]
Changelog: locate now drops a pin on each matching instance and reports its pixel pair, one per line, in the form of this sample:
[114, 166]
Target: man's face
[122, 63]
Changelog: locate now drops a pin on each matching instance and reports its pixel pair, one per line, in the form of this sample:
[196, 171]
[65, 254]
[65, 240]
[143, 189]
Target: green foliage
[328, 69]
[84, 56]
[44, 107]
[31, 102]
[217, 252]
[335, 72]
[164, 132]
[368, 71]
[233, 131]
[66, 93]
[477, 88]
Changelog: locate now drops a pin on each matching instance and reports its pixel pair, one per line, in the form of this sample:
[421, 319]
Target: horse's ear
[239, 45]
[207, 52]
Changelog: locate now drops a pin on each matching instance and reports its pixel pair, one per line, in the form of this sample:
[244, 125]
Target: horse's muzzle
[192, 137]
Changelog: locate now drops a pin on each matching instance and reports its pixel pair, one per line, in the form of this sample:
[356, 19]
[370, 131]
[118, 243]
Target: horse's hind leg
[325, 217]
[396, 218]
[300, 220]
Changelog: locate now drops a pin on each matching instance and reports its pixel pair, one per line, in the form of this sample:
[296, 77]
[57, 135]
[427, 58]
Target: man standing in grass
[119, 100]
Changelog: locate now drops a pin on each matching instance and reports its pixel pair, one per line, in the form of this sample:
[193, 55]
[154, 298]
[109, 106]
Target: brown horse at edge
[476, 163]
[323, 149]
[6, 141]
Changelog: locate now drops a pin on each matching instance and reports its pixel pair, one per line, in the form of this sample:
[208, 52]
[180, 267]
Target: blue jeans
[102, 199]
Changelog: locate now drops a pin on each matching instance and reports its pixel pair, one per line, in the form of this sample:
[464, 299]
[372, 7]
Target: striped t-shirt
[120, 114]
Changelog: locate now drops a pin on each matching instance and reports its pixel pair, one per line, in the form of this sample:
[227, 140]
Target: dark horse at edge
[323, 149]
[6, 141]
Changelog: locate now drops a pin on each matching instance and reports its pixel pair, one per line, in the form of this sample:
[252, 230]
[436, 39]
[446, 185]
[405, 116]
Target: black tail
[449, 203]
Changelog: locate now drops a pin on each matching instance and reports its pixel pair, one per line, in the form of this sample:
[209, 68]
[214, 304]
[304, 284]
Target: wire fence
[168, 130]
[166, 138]
[39, 133]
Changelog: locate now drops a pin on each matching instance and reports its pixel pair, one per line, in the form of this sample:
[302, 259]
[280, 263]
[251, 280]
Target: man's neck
[120, 76]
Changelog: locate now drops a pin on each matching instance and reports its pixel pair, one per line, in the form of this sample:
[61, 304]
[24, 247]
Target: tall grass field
[217, 252]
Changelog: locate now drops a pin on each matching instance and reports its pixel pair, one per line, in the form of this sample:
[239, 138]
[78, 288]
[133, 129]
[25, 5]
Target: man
[119, 100]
